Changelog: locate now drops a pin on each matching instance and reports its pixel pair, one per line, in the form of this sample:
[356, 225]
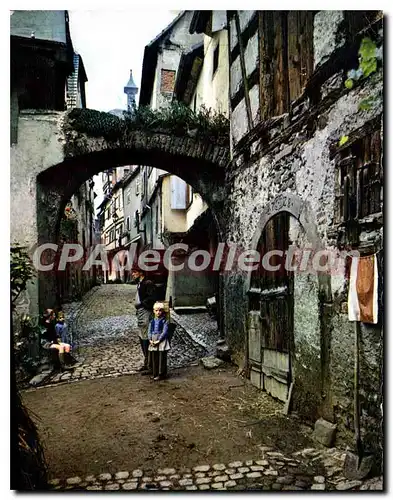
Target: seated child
[62, 329]
[158, 342]
[51, 339]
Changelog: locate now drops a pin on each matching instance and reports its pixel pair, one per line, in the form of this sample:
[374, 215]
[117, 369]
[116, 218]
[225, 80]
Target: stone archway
[320, 286]
[58, 154]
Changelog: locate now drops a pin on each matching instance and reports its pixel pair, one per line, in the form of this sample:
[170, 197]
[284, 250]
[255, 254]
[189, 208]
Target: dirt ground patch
[195, 417]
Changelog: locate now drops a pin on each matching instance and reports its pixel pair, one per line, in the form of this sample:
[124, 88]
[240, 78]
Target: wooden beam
[244, 73]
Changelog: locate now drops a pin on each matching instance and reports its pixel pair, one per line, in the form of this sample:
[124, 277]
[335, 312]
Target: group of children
[57, 339]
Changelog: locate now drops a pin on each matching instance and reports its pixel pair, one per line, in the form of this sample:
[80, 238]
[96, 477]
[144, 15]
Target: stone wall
[291, 154]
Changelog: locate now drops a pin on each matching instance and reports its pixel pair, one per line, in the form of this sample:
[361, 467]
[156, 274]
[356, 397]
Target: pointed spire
[131, 84]
[131, 90]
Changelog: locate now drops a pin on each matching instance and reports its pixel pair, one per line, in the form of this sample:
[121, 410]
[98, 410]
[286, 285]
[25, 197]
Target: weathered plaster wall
[300, 164]
[169, 57]
[328, 34]
[189, 288]
[212, 91]
[38, 148]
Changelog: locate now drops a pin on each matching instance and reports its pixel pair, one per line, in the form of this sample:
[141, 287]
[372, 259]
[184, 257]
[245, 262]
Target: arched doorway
[284, 300]
[271, 312]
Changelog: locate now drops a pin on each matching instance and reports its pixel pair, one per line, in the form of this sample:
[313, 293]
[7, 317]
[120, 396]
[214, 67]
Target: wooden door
[271, 313]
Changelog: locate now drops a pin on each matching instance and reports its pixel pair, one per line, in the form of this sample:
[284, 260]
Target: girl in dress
[159, 344]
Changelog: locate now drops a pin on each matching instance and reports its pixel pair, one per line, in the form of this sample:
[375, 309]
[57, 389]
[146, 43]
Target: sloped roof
[43, 28]
[150, 61]
[43, 24]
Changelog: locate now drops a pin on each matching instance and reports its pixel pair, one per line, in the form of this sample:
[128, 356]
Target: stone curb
[269, 476]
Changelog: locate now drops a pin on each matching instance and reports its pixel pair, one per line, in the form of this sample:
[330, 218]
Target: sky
[111, 42]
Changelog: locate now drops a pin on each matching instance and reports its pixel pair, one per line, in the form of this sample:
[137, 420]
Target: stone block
[235, 464]
[166, 471]
[122, 475]
[105, 477]
[203, 480]
[130, 486]
[74, 480]
[185, 482]
[348, 485]
[253, 474]
[236, 476]
[201, 468]
[325, 432]
[219, 466]
[211, 362]
[38, 379]
[243, 469]
[318, 486]
[221, 479]
[217, 486]
[165, 484]
[112, 487]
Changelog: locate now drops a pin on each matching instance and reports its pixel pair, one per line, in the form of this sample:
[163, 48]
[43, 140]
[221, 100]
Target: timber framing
[248, 32]
[240, 94]
[344, 58]
[244, 73]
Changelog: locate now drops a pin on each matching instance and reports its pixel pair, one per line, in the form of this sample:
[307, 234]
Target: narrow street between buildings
[199, 429]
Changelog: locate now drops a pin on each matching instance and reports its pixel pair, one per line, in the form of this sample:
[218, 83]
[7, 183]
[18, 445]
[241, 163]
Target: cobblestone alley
[198, 430]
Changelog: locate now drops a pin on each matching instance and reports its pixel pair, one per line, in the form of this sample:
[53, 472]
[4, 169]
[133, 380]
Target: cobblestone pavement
[201, 328]
[105, 339]
[103, 327]
[272, 471]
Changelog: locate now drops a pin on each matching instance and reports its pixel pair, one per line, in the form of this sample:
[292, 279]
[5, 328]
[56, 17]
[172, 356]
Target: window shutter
[178, 193]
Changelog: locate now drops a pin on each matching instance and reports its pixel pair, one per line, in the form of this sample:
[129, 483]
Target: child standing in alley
[159, 344]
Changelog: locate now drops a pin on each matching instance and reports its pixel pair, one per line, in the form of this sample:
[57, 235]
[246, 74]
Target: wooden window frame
[286, 58]
[359, 179]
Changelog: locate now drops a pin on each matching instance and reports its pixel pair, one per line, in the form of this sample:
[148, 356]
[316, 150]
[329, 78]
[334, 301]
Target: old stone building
[47, 75]
[306, 170]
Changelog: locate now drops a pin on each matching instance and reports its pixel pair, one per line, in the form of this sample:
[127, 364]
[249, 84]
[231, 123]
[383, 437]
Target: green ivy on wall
[369, 55]
[177, 119]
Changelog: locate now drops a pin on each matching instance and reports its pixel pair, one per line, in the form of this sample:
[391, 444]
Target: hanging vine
[369, 55]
